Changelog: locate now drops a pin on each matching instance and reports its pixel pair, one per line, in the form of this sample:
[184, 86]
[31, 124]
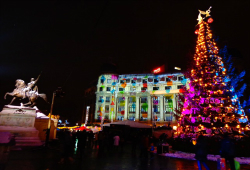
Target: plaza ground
[40, 158]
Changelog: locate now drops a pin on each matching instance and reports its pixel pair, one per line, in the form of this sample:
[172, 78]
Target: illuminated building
[144, 97]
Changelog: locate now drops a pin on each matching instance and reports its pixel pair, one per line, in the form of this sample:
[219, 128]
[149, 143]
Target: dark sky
[69, 41]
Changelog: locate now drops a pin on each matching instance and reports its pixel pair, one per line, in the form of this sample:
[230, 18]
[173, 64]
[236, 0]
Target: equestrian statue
[26, 91]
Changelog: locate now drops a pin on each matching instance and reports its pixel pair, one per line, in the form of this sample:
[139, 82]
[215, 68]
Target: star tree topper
[207, 13]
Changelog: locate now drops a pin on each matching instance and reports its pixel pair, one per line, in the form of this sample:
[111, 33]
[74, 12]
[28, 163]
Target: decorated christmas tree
[207, 105]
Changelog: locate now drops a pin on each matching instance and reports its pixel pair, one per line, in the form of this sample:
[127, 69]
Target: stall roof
[130, 123]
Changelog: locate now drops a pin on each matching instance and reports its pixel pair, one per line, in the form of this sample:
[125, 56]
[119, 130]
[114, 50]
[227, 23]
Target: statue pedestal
[20, 122]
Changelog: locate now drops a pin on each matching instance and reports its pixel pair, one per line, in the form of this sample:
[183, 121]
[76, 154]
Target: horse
[19, 92]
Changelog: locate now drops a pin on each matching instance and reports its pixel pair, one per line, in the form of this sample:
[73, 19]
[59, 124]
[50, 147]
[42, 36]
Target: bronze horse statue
[20, 92]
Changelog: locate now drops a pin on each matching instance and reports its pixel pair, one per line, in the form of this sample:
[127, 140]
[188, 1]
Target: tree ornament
[196, 32]
[209, 131]
[210, 20]
[207, 101]
[217, 101]
[193, 119]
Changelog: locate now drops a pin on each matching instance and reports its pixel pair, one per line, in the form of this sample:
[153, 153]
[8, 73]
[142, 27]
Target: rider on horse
[30, 85]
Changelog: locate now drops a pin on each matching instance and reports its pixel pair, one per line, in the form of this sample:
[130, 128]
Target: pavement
[41, 158]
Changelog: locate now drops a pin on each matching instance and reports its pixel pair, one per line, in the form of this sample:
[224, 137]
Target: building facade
[138, 97]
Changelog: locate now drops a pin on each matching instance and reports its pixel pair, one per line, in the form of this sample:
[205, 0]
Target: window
[99, 109]
[120, 99]
[155, 88]
[121, 81]
[108, 88]
[138, 80]
[120, 108]
[167, 98]
[150, 80]
[168, 104]
[156, 80]
[108, 81]
[156, 100]
[102, 81]
[107, 108]
[174, 78]
[101, 89]
[162, 79]
[132, 81]
[168, 79]
[167, 87]
[127, 80]
[100, 99]
[121, 89]
[144, 109]
[132, 100]
[132, 108]
[144, 100]
[169, 109]
[156, 108]
[143, 89]
[180, 78]
[107, 99]
[144, 81]
[180, 86]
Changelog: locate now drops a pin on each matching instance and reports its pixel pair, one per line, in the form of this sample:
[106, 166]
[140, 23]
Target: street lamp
[60, 93]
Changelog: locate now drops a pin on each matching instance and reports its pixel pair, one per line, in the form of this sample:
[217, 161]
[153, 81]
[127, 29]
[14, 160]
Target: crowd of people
[76, 143]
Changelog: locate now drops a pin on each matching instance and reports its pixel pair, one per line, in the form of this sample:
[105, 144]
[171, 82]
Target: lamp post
[49, 123]
[59, 93]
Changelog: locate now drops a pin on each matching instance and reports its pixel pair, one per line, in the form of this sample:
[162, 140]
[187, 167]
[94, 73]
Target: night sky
[69, 41]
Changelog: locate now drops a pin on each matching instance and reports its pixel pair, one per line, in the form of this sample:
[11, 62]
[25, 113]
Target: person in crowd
[134, 138]
[73, 134]
[116, 141]
[101, 138]
[201, 152]
[96, 140]
[67, 147]
[227, 150]
[144, 146]
[163, 138]
[82, 137]
[90, 139]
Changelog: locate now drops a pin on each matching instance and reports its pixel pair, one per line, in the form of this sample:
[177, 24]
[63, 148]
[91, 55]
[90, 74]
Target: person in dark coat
[227, 150]
[67, 147]
[82, 137]
[201, 152]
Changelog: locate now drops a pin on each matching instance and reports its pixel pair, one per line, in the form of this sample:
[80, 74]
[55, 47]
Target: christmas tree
[207, 105]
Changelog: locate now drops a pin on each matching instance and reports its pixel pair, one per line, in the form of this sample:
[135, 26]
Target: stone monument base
[24, 136]
[20, 122]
